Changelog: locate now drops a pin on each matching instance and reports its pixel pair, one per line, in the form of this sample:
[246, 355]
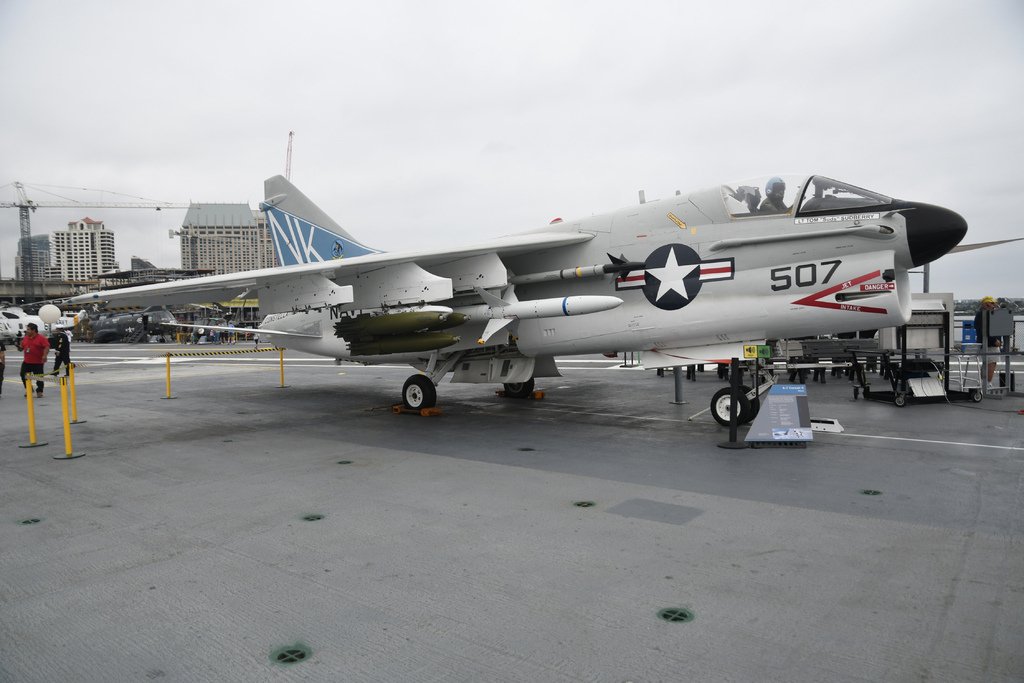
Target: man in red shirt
[36, 347]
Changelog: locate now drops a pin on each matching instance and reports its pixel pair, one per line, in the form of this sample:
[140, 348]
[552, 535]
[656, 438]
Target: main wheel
[755, 407]
[419, 392]
[519, 389]
[976, 395]
[900, 400]
[721, 403]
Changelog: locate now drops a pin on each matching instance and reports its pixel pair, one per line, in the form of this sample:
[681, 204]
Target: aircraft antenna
[288, 158]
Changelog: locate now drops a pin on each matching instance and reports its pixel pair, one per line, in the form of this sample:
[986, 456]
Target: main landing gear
[519, 389]
[419, 392]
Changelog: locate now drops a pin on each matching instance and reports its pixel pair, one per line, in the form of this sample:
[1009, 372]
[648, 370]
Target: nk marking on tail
[299, 241]
[302, 233]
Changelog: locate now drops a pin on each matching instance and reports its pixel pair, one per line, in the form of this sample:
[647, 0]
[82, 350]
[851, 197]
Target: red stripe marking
[815, 299]
[712, 271]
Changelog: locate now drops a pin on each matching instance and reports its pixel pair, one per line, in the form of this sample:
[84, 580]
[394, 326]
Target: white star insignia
[670, 276]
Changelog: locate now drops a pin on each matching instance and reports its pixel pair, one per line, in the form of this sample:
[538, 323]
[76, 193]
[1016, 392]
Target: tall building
[225, 238]
[139, 263]
[40, 258]
[83, 251]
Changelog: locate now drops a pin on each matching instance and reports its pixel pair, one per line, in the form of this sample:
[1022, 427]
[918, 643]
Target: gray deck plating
[450, 548]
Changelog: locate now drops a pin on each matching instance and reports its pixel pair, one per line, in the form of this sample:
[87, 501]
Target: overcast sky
[426, 124]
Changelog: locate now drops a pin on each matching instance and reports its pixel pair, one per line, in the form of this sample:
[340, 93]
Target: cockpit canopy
[780, 195]
[824, 194]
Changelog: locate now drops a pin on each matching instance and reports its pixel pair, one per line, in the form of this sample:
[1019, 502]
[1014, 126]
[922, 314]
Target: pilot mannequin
[775, 192]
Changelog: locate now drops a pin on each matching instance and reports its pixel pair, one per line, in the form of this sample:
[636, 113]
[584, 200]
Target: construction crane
[288, 157]
[24, 204]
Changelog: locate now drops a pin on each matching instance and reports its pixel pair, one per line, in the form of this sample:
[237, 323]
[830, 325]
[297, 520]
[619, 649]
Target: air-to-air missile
[578, 272]
[541, 308]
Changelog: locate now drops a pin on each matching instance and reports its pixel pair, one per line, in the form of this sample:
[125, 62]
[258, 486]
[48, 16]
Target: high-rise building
[139, 263]
[225, 238]
[83, 251]
[40, 258]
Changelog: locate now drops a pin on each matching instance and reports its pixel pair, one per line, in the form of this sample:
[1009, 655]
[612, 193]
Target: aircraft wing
[239, 285]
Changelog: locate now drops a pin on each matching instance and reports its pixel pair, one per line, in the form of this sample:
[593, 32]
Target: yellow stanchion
[196, 354]
[74, 399]
[32, 443]
[168, 395]
[67, 424]
[283, 385]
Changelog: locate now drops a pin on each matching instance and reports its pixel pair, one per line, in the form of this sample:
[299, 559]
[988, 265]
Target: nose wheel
[746, 408]
[419, 392]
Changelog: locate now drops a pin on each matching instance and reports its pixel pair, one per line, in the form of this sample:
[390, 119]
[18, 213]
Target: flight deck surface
[451, 548]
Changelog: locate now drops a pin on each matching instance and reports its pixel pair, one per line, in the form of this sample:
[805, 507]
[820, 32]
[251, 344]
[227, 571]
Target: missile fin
[493, 327]
[490, 299]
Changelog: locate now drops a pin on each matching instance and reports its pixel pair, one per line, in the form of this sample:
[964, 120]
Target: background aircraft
[105, 328]
[13, 320]
[685, 280]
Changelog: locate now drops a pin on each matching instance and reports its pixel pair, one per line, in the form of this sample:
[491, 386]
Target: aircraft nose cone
[932, 231]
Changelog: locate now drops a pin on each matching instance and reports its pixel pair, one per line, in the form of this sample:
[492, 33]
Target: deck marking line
[630, 417]
[944, 443]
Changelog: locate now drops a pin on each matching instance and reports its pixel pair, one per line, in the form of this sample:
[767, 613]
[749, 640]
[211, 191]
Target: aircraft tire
[976, 395]
[419, 392]
[519, 389]
[720, 404]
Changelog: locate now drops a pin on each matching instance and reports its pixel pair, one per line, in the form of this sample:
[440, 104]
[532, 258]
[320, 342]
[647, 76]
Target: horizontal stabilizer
[245, 330]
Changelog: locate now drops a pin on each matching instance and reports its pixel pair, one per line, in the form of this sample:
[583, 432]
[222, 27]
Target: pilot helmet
[773, 182]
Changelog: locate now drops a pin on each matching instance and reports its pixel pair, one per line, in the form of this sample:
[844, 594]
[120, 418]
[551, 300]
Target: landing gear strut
[419, 392]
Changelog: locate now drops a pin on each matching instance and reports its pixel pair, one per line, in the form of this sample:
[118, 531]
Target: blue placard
[784, 418]
[789, 389]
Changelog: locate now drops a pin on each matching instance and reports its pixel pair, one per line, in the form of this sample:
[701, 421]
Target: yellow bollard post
[67, 425]
[283, 385]
[169, 377]
[74, 399]
[32, 443]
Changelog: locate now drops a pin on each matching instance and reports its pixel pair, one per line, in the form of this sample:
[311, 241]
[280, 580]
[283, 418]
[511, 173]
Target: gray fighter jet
[685, 280]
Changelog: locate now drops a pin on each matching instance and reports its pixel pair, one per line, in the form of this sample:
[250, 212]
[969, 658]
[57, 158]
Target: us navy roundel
[674, 274]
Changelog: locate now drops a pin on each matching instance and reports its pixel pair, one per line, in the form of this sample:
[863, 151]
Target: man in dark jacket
[62, 348]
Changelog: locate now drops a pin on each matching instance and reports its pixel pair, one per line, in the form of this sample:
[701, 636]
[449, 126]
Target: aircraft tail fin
[301, 231]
